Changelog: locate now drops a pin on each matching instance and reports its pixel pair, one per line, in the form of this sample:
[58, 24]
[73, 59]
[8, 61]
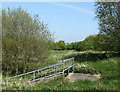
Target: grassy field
[88, 62]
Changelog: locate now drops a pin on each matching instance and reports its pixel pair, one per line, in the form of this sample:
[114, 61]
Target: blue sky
[68, 21]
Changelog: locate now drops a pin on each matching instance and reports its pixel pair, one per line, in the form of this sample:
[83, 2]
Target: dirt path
[79, 76]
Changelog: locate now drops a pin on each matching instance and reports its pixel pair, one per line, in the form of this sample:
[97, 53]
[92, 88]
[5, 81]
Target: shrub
[23, 37]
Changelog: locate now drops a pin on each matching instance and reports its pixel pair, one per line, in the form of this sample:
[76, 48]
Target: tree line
[93, 42]
[108, 39]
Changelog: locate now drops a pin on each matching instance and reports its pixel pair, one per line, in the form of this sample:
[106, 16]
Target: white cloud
[75, 8]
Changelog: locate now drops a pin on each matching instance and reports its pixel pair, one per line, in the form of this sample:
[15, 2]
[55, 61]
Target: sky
[69, 21]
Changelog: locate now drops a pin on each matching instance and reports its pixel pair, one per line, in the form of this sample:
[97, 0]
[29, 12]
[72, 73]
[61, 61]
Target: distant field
[88, 62]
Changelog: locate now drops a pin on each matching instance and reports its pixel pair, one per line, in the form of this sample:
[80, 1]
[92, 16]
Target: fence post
[33, 77]
[73, 65]
[38, 72]
[63, 68]
[69, 68]
[6, 81]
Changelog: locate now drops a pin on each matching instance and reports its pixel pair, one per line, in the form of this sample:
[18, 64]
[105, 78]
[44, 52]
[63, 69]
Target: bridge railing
[48, 71]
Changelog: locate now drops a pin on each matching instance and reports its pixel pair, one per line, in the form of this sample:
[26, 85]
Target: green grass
[107, 67]
[54, 58]
[59, 83]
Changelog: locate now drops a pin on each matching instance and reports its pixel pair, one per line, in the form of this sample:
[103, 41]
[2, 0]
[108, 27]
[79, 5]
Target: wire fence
[46, 72]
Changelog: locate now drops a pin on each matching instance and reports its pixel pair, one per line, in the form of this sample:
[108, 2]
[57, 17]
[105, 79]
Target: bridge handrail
[44, 69]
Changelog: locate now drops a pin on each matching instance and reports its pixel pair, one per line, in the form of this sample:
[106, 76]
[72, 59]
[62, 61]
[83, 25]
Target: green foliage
[109, 72]
[78, 46]
[60, 45]
[52, 45]
[92, 42]
[100, 43]
[108, 15]
[87, 44]
[70, 46]
[24, 40]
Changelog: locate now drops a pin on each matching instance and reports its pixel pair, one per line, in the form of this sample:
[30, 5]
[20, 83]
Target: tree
[108, 15]
[23, 37]
[78, 46]
[89, 42]
[100, 43]
[61, 45]
[70, 46]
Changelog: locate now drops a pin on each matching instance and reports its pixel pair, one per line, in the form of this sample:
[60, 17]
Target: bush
[23, 38]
